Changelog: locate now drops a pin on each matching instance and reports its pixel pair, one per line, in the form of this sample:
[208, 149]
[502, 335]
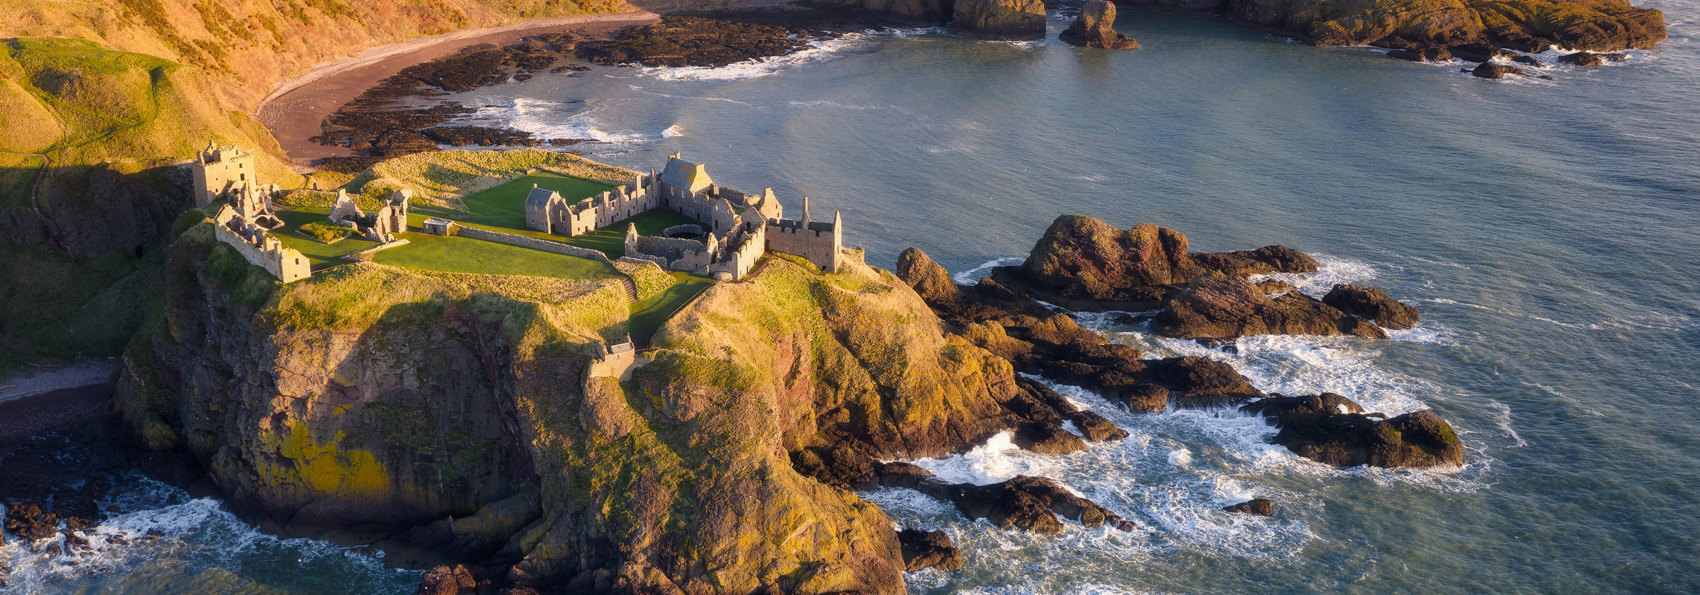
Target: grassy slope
[466, 255]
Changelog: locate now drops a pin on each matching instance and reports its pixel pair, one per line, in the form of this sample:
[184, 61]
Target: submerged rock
[999, 19]
[1094, 28]
[1370, 303]
[1254, 506]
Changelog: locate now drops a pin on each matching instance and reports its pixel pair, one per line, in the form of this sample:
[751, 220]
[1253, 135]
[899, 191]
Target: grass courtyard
[319, 254]
[503, 209]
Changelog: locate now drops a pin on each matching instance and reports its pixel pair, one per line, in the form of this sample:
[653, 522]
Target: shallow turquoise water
[1545, 229]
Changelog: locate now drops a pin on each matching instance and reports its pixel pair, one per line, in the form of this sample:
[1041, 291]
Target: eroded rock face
[1094, 28]
[1221, 307]
[1372, 304]
[999, 19]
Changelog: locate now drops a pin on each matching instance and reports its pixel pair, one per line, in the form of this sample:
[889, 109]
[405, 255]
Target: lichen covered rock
[1095, 28]
[1220, 307]
[999, 19]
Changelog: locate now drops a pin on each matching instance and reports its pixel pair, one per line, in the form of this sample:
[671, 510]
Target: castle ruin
[737, 227]
[379, 226]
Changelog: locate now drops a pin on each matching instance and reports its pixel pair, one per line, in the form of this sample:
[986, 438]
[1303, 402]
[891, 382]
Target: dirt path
[296, 107]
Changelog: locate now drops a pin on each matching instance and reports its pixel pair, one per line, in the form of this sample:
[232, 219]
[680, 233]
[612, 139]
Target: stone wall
[818, 242]
[533, 243]
[287, 264]
[220, 170]
[741, 258]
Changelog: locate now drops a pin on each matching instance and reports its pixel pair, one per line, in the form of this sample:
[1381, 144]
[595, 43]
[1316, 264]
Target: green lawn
[465, 255]
[319, 254]
[611, 240]
[647, 315]
[504, 205]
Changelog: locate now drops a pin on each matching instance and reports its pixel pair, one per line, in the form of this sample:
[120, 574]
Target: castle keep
[737, 228]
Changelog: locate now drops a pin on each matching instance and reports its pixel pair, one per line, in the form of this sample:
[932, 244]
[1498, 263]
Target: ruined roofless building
[220, 172]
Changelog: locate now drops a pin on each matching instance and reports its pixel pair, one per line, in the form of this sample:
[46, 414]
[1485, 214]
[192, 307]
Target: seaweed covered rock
[1527, 25]
[1215, 306]
[999, 19]
[1495, 70]
[1370, 303]
[1095, 28]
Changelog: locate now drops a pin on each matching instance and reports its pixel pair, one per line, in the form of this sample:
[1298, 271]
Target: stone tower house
[221, 171]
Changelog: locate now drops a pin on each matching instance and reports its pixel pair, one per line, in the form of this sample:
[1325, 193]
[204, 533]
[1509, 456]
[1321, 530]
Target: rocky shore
[738, 445]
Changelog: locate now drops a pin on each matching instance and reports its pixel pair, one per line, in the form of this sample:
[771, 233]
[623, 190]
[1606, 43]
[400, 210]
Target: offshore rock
[1031, 504]
[929, 549]
[447, 580]
[1047, 438]
[1332, 429]
[1215, 306]
[1254, 506]
[1094, 28]
[1432, 54]
[1085, 263]
[1493, 70]
[1591, 58]
[1370, 303]
[999, 19]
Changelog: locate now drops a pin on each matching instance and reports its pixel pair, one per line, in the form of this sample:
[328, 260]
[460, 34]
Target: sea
[1547, 230]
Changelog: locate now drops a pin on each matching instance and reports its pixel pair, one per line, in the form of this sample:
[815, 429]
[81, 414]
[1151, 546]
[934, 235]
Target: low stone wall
[688, 228]
[533, 243]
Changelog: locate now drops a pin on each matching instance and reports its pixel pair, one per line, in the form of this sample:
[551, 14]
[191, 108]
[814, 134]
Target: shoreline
[296, 107]
[52, 397]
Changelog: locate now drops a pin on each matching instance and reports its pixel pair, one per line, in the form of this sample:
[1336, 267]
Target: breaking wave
[821, 50]
[160, 538]
[972, 276]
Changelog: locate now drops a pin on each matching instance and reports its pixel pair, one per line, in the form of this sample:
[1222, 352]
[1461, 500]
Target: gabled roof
[539, 198]
[687, 175]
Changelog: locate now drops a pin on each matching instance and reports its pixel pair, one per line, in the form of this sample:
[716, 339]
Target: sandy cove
[296, 107]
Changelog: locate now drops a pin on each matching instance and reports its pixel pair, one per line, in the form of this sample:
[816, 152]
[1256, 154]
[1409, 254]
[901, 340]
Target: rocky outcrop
[1085, 263]
[1591, 58]
[1332, 429]
[928, 549]
[1254, 506]
[1032, 504]
[999, 19]
[1525, 25]
[1215, 306]
[1052, 345]
[1095, 28]
[1495, 70]
[1370, 303]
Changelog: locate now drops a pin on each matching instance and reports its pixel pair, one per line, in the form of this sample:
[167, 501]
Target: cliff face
[385, 399]
[1526, 25]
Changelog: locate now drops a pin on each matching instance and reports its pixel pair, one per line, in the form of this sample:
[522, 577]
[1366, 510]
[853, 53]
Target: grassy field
[611, 240]
[647, 315]
[320, 254]
[466, 255]
[504, 205]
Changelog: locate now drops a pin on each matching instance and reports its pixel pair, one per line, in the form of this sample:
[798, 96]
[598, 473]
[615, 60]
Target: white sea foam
[197, 530]
[972, 276]
[821, 50]
[1331, 270]
[673, 131]
[544, 119]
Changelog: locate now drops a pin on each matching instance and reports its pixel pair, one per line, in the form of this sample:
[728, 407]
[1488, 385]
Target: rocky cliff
[1095, 28]
[1524, 25]
[455, 412]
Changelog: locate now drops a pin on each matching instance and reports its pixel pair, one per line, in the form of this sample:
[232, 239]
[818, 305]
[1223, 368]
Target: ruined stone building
[256, 244]
[224, 172]
[379, 226]
[737, 228]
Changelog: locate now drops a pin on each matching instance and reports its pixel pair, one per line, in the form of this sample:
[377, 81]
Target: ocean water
[1547, 230]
